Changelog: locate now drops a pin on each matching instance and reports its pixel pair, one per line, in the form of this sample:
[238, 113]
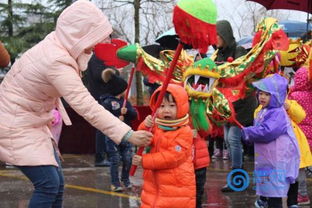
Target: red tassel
[194, 31]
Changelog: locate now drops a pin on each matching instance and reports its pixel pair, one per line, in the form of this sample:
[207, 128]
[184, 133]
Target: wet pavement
[89, 187]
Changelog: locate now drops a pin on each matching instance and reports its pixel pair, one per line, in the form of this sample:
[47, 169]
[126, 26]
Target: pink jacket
[302, 93]
[43, 74]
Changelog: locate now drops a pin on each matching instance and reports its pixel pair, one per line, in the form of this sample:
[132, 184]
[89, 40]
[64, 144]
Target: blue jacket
[114, 105]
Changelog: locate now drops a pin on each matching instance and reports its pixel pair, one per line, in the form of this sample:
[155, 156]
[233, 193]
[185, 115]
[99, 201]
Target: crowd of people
[276, 120]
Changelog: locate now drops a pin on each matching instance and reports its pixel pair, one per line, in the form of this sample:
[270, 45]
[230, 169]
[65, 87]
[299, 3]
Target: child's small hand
[123, 110]
[137, 160]
[148, 122]
[122, 118]
[245, 138]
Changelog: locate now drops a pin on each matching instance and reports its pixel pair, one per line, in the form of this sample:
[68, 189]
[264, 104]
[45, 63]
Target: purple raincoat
[276, 149]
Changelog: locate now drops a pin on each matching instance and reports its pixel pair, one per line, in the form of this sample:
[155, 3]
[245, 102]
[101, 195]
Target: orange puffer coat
[201, 154]
[169, 180]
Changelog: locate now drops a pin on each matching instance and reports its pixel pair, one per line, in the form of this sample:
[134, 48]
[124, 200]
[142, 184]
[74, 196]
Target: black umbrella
[170, 40]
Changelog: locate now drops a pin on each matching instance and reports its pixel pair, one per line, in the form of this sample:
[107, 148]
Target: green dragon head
[200, 78]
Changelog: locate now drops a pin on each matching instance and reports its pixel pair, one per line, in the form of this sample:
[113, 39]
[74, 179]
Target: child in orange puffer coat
[169, 179]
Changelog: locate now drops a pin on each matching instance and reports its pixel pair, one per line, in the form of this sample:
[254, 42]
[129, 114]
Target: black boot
[226, 189]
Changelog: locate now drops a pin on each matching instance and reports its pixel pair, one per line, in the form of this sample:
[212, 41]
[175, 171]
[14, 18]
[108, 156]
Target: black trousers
[292, 194]
[200, 185]
[219, 144]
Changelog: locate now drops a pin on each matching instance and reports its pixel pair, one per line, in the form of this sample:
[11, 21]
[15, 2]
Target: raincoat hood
[180, 97]
[80, 26]
[224, 30]
[276, 85]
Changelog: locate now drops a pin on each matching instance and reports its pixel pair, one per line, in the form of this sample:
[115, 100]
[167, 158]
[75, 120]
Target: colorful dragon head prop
[200, 80]
[211, 88]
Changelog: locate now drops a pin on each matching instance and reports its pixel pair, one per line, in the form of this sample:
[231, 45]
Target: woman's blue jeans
[232, 137]
[48, 181]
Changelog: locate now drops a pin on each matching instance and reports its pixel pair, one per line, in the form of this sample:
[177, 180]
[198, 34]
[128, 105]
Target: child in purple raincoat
[276, 148]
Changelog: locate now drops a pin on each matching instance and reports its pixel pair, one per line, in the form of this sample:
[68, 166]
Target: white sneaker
[225, 155]
[261, 204]
[216, 154]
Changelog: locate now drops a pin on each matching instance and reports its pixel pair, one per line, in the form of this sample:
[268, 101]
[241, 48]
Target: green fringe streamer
[198, 113]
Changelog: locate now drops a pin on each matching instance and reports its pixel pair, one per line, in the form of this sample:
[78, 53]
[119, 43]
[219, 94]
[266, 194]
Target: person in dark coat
[226, 44]
[98, 87]
[227, 50]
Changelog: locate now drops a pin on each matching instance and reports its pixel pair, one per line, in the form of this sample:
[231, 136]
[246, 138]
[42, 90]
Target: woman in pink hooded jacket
[33, 87]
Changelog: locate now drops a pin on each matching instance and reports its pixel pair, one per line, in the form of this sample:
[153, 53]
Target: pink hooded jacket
[43, 74]
[302, 93]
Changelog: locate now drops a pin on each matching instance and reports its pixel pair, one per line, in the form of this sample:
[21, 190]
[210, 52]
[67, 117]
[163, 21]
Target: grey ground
[89, 187]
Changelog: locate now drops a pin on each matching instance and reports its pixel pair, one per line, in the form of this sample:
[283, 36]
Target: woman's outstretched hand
[141, 138]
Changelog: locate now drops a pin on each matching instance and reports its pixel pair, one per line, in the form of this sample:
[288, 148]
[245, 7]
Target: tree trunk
[10, 17]
[138, 75]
